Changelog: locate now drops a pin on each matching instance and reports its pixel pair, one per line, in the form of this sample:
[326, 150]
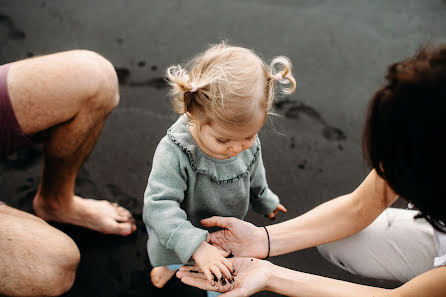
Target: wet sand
[311, 151]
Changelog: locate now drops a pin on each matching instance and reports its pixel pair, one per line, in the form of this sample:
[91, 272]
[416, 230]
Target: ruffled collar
[220, 171]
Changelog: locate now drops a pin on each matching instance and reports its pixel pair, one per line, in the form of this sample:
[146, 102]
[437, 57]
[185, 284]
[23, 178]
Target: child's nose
[235, 149]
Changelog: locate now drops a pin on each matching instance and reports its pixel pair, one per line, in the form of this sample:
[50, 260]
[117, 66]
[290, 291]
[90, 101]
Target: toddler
[210, 161]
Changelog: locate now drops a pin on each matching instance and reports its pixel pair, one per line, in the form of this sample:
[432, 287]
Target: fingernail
[215, 278]
[231, 280]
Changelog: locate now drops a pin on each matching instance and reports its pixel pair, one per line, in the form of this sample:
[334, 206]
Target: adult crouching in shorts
[66, 97]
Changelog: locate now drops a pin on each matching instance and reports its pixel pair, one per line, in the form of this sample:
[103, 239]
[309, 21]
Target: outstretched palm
[238, 237]
[250, 276]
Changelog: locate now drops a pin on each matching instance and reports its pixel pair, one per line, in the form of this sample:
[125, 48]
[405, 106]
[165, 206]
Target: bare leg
[69, 95]
[161, 275]
[35, 259]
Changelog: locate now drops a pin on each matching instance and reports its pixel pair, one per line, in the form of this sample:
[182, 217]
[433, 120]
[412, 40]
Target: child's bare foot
[98, 215]
[161, 275]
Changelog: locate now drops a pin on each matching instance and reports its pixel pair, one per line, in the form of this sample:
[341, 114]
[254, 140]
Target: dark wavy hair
[404, 137]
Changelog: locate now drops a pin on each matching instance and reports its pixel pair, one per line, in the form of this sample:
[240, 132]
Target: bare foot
[161, 275]
[98, 215]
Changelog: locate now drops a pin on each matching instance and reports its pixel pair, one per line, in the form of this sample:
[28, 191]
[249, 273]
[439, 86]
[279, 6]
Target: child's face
[222, 143]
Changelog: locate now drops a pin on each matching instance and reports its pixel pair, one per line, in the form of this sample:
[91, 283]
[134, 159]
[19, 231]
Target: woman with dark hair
[403, 142]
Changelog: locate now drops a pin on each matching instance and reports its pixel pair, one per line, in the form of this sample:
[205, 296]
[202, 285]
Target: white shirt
[440, 242]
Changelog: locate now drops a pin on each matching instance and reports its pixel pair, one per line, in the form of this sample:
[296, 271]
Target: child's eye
[221, 141]
[251, 137]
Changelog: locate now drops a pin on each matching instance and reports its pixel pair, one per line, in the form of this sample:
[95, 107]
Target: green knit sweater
[186, 185]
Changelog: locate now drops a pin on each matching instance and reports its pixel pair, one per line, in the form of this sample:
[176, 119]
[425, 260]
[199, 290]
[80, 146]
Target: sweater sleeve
[262, 199]
[164, 193]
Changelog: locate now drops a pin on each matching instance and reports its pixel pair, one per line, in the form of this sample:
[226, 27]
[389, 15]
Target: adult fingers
[199, 275]
[195, 269]
[222, 222]
[197, 282]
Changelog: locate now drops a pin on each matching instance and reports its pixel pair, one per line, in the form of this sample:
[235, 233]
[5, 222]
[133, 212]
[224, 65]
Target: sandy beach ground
[311, 150]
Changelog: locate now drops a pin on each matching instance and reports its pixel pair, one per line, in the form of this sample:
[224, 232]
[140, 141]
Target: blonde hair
[220, 84]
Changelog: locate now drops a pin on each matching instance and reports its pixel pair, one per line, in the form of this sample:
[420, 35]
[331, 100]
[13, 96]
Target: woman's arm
[334, 220]
[255, 275]
[293, 283]
[330, 221]
[288, 282]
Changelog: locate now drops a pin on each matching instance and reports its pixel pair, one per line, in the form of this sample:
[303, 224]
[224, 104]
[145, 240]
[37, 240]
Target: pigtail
[220, 83]
[280, 69]
[182, 90]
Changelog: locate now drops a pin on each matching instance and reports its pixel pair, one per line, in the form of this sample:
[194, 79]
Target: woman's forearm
[333, 220]
[298, 284]
[330, 221]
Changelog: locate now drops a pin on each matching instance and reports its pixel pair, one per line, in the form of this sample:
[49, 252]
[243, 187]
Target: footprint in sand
[294, 110]
[13, 32]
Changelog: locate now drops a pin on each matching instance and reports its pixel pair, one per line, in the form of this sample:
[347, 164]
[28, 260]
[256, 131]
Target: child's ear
[191, 116]
[193, 120]
[196, 117]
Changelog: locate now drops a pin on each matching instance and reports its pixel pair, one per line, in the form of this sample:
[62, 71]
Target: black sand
[311, 151]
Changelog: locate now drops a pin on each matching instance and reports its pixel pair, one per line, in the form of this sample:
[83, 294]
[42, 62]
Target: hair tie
[269, 243]
[194, 88]
[278, 76]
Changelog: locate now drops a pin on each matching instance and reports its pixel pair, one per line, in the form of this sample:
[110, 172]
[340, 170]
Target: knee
[56, 262]
[61, 276]
[38, 263]
[36, 269]
[104, 91]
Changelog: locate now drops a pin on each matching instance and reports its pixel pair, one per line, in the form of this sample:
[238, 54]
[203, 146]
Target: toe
[124, 216]
[121, 211]
[124, 212]
[123, 229]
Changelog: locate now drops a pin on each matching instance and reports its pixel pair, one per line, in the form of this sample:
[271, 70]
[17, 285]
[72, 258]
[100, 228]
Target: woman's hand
[272, 215]
[251, 276]
[238, 237]
[213, 263]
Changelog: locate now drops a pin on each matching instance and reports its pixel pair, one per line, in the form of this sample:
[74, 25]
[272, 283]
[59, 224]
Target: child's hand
[213, 263]
[273, 214]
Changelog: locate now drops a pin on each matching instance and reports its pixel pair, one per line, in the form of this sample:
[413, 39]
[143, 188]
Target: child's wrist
[199, 250]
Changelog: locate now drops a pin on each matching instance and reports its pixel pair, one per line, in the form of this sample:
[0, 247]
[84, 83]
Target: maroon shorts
[12, 137]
